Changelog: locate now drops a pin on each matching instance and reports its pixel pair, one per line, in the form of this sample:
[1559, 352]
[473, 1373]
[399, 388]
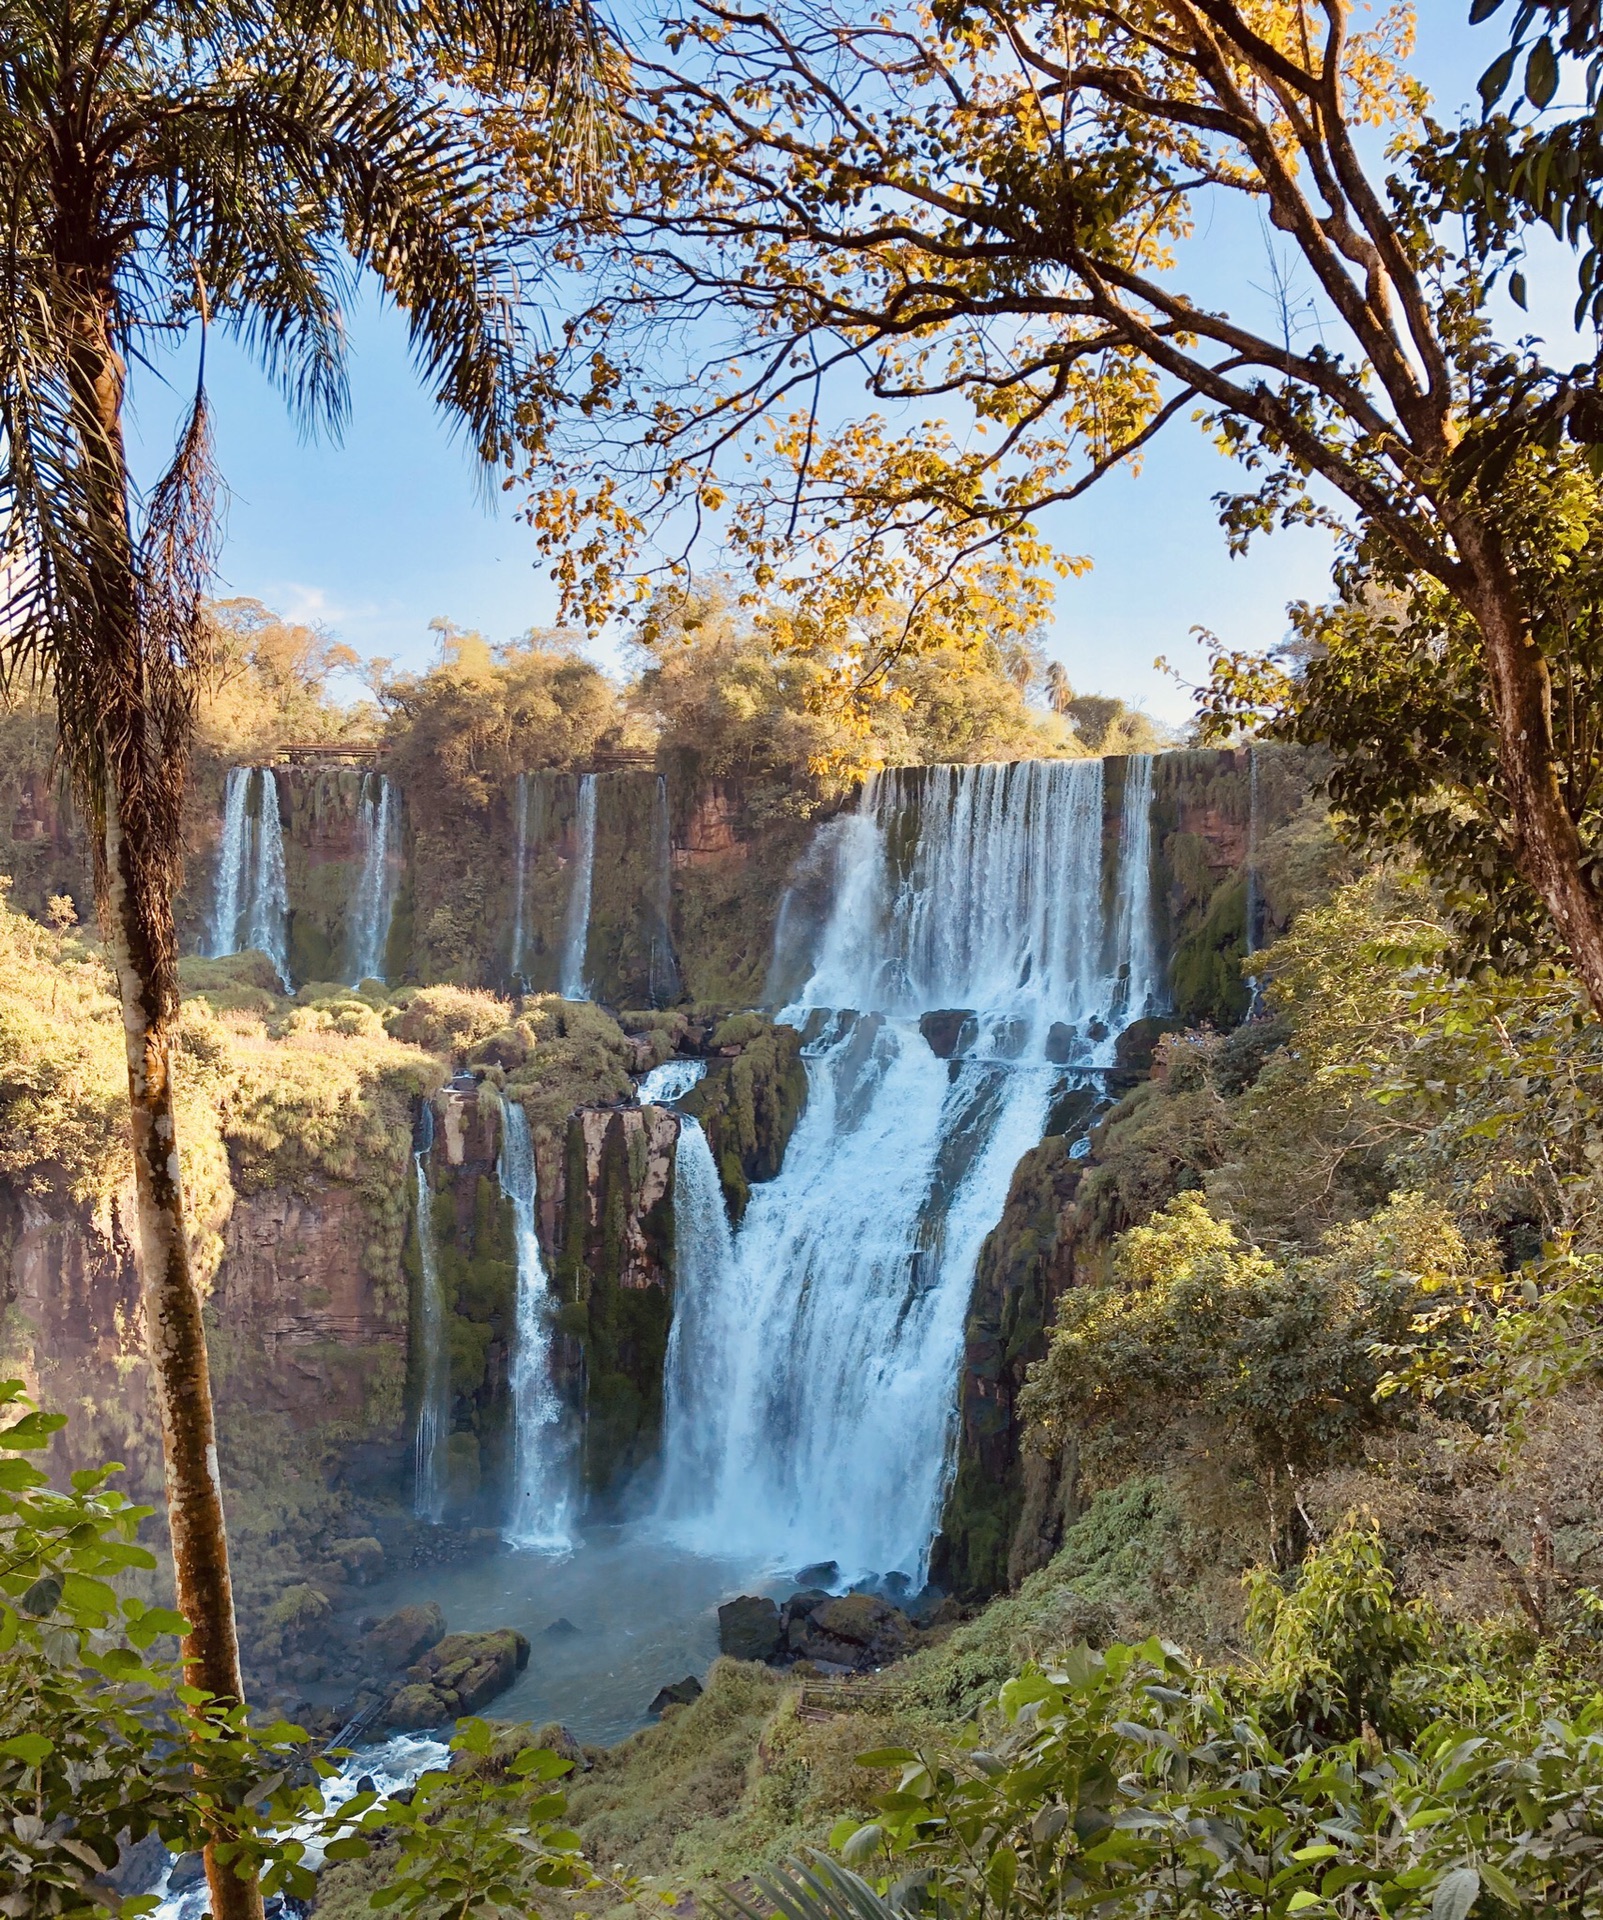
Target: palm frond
[819, 1889]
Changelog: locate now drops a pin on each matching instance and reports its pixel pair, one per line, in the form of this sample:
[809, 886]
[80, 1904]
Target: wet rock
[749, 1628]
[362, 1559]
[402, 1637]
[1061, 1040]
[858, 1631]
[561, 1628]
[679, 1693]
[944, 1031]
[822, 1573]
[468, 1670]
[412, 1708]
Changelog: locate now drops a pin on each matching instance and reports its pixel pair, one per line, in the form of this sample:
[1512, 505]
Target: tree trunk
[1547, 847]
[137, 871]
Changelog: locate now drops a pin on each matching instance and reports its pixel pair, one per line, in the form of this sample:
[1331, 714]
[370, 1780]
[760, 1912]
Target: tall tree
[168, 164]
[993, 203]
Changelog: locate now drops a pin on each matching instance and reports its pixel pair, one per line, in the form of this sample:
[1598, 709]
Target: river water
[644, 1610]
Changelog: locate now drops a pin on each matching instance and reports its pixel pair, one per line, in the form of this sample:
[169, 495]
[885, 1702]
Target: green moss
[748, 1106]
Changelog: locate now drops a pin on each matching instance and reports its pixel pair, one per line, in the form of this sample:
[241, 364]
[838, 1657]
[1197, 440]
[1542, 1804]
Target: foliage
[1390, 677]
[268, 684]
[759, 692]
[459, 732]
[1279, 1356]
[1128, 1782]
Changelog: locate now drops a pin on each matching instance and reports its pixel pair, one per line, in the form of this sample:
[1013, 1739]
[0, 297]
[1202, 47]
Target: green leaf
[32, 1431]
[1516, 289]
[30, 1748]
[1302, 1900]
[887, 1757]
[1455, 1894]
[863, 1844]
[1541, 74]
[43, 1597]
[541, 1762]
[350, 1846]
[1494, 81]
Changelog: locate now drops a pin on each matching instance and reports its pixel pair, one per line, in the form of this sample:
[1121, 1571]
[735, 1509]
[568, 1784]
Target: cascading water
[434, 1361]
[374, 904]
[576, 931]
[815, 1368]
[542, 1474]
[251, 898]
[706, 1285]
[669, 1082]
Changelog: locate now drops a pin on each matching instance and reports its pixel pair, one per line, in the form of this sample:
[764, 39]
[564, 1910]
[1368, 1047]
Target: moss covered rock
[748, 1103]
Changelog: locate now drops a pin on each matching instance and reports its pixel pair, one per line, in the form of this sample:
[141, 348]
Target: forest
[1051, 1266]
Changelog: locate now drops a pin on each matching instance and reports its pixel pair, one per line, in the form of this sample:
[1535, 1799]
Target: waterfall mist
[434, 1359]
[250, 904]
[373, 905]
[814, 1364]
[576, 929]
[541, 1509]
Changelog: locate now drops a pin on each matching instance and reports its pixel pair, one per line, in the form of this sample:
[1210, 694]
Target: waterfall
[1135, 946]
[374, 903]
[434, 1398]
[576, 932]
[669, 1082]
[542, 1495]
[697, 1371]
[250, 907]
[815, 1368]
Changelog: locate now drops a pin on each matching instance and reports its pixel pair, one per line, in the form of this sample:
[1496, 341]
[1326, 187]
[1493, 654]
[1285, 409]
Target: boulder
[362, 1559]
[944, 1031]
[402, 1637]
[860, 1630]
[822, 1573]
[468, 1670]
[560, 1629]
[1061, 1042]
[414, 1707]
[188, 1870]
[678, 1693]
[555, 1738]
[748, 1628]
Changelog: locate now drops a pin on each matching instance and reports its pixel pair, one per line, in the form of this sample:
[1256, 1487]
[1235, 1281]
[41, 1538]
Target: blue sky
[388, 529]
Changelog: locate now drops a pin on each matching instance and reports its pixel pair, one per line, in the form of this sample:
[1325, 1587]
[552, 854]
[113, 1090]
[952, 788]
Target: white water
[541, 1512]
[392, 1765]
[576, 930]
[434, 1400]
[814, 1365]
[706, 1284]
[250, 908]
[669, 1082]
[373, 906]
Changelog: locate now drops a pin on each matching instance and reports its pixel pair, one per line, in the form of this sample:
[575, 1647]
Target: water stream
[814, 1371]
[250, 902]
[540, 1514]
[373, 906]
[576, 929]
[434, 1382]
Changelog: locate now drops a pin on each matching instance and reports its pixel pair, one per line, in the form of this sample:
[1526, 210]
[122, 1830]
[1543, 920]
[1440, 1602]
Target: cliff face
[614, 1278]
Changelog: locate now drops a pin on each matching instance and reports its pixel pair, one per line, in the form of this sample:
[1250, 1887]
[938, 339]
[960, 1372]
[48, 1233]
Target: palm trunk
[137, 871]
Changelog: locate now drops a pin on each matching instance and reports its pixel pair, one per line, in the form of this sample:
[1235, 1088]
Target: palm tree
[1059, 693]
[169, 164]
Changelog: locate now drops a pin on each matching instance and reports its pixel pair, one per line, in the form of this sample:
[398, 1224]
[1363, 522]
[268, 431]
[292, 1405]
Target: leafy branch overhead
[990, 211]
